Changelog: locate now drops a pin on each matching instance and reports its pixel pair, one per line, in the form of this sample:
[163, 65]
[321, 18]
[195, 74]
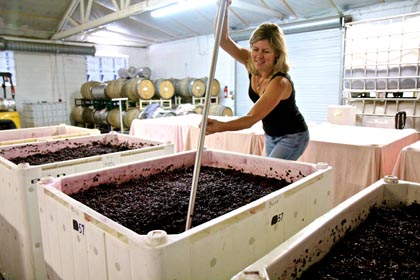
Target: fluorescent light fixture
[108, 37]
[181, 6]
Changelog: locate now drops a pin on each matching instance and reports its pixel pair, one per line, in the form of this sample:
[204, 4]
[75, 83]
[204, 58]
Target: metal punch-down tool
[219, 24]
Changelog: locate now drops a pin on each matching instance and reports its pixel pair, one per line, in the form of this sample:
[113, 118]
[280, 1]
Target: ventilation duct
[298, 27]
[27, 46]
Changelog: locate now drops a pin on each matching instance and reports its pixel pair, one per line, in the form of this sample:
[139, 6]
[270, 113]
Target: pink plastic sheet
[184, 131]
[407, 166]
[359, 155]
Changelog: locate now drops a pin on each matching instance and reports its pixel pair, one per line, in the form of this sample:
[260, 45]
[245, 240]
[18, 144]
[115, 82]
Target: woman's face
[263, 56]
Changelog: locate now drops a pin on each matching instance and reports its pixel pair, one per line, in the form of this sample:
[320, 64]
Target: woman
[272, 91]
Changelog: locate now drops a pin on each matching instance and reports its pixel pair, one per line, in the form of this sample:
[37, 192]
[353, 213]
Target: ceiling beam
[290, 8]
[116, 6]
[82, 11]
[149, 25]
[239, 17]
[339, 11]
[124, 12]
[72, 21]
[67, 15]
[88, 9]
[256, 9]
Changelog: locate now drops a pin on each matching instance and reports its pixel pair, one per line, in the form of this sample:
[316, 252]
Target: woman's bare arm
[278, 89]
[231, 47]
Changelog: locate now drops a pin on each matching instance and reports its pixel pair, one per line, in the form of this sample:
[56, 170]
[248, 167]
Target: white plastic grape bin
[290, 259]
[22, 256]
[37, 134]
[100, 248]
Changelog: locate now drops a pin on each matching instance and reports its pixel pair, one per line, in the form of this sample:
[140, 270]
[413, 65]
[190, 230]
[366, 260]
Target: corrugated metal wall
[316, 65]
[316, 58]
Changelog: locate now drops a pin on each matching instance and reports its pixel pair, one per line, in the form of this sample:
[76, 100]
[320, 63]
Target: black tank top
[285, 117]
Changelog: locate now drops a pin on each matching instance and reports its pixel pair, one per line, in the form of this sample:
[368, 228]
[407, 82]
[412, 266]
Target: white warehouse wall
[44, 77]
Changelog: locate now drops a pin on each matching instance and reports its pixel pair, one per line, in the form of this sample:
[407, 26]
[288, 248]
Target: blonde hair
[275, 37]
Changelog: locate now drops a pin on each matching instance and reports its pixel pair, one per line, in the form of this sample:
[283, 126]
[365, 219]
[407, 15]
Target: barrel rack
[197, 101]
[98, 108]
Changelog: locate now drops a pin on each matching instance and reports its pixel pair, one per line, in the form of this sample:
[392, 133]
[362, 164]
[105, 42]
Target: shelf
[381, 99]
[381, 70]
[198, 101]
[164, 103]
[383, 115]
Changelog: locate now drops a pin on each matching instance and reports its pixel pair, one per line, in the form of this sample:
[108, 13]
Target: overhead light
[180, 6]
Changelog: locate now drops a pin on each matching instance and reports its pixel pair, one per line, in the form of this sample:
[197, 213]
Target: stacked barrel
[134, 89]
[97, 96]
[189, 87]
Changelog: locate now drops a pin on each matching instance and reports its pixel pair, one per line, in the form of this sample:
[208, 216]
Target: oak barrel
[113, 118]
[199, 109]
[86, 89]
[76, 114]
[100, 116]
[190, 87]
[164, 88]
[220, 110]
[87, 115]
[143, 72]
[99, 91]
[215, 90]
[129, 116]
[114, 88]
[138, 88]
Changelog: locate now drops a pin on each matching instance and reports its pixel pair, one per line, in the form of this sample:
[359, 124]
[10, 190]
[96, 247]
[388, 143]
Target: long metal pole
[220, 17]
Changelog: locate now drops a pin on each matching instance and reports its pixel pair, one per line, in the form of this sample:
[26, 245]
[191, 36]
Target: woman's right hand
[211, 127]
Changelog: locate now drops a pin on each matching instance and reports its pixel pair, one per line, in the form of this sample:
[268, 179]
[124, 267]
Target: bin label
[79, 227]
[276, 219]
